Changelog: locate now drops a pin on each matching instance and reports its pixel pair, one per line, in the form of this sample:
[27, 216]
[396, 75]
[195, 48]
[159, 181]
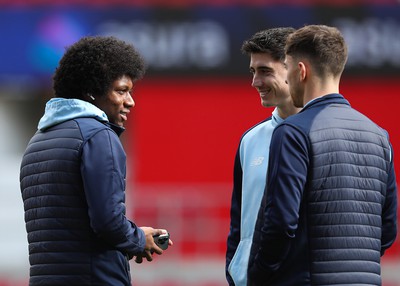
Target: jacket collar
[326, 99]
[276, 119]
[116, 128]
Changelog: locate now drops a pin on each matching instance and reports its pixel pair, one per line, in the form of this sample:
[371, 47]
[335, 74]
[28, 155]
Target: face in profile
[269, 77]
[118, 101]
[293, 80]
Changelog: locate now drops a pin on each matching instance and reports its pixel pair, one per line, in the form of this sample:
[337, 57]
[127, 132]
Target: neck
[318, 87]
[287, 110]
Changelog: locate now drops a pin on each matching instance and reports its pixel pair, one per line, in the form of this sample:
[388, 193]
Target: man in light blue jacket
[266, 52]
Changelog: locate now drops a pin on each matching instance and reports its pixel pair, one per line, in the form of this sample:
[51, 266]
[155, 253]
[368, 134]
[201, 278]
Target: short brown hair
[322, 45]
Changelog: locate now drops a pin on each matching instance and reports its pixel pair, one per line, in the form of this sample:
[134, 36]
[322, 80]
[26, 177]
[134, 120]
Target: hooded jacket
[330, 207]
[72, 181]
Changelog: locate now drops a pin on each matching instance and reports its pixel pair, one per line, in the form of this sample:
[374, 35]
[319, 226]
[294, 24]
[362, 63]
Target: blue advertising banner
[190, 40]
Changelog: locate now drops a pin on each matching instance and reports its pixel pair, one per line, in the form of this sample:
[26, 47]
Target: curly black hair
[271, 41]
[92, 64]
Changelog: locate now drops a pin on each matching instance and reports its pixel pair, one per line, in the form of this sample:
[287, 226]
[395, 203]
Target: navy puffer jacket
[329, 211]
[73, 187]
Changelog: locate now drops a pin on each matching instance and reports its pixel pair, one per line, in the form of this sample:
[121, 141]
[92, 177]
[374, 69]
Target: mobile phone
[162, 240]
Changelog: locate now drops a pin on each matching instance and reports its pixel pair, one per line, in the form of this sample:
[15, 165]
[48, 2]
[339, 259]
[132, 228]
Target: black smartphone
[162, 240]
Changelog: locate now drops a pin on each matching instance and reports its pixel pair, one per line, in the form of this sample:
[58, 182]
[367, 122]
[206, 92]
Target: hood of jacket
[59, 110]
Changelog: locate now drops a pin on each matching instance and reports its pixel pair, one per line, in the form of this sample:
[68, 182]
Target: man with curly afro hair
[73, 172]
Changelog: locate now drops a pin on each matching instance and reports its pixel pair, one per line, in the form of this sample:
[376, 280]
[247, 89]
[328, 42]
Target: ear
[303, 71]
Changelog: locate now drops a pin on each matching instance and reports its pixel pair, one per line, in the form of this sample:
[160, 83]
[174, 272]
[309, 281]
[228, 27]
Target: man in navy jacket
[329, 207]
[73, 172]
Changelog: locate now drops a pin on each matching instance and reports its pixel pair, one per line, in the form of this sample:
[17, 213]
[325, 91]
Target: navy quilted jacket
[73, 187]
[329, 210]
